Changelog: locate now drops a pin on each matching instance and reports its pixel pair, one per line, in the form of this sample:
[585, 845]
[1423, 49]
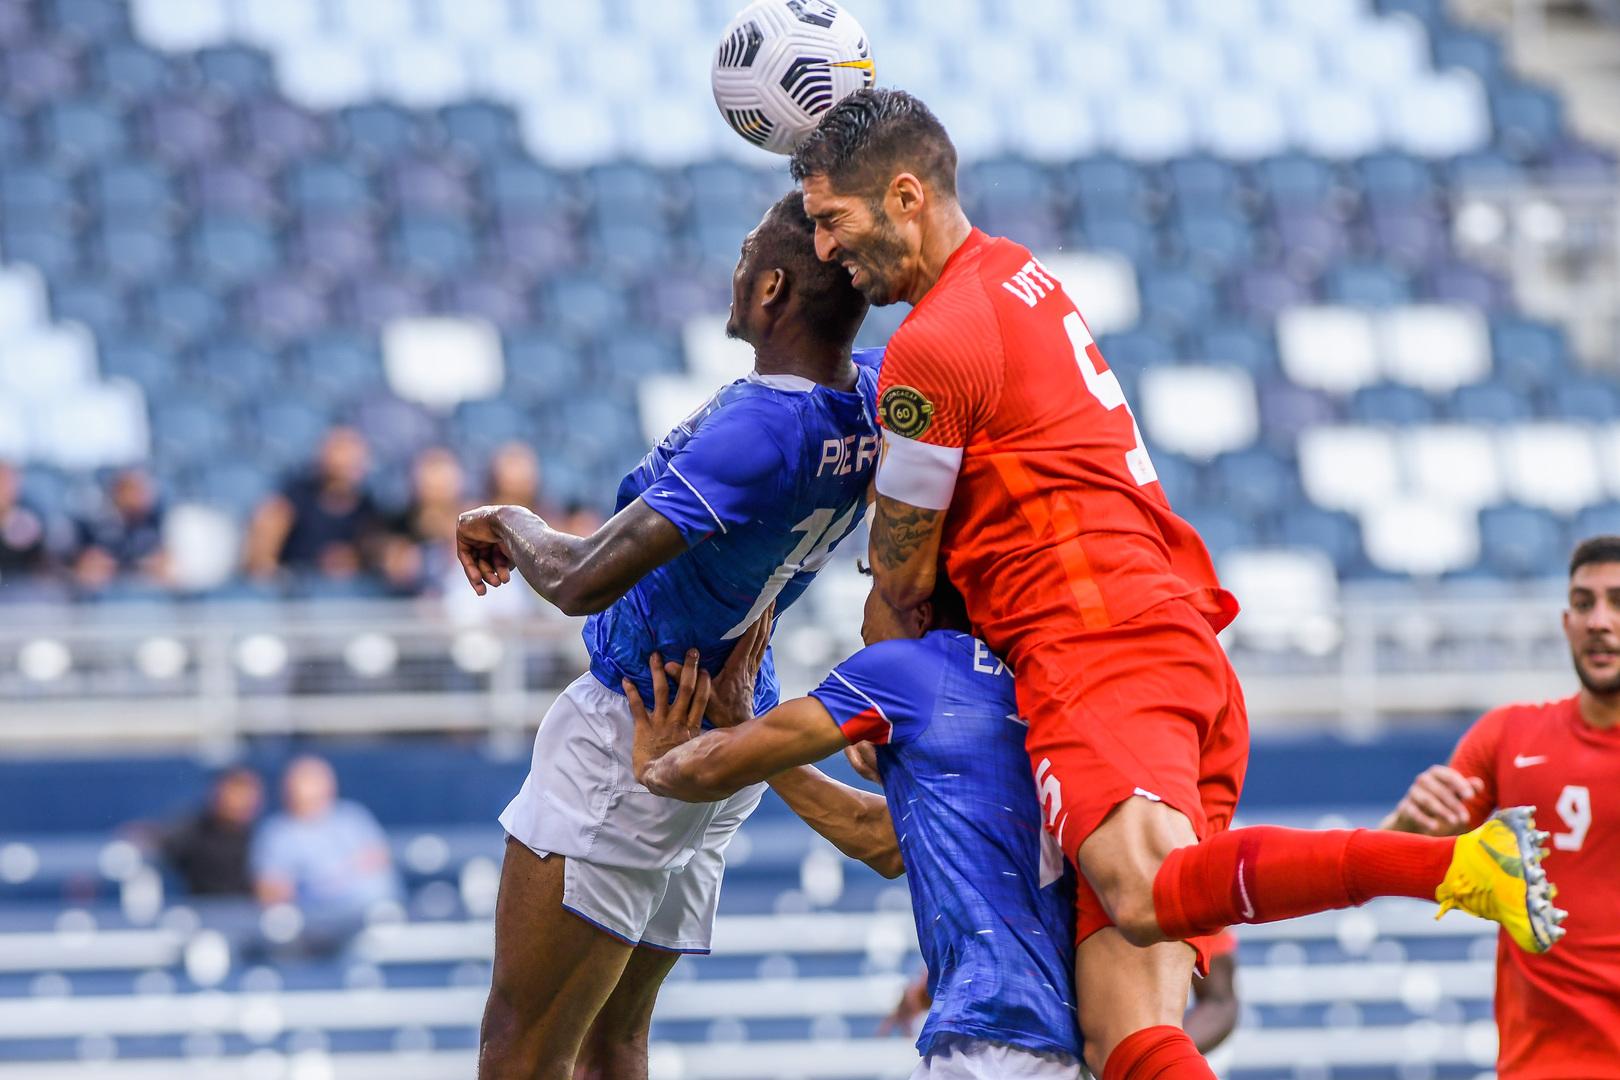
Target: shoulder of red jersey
[1522, 711]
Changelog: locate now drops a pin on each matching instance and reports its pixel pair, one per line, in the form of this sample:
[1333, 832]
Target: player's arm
[672, 760]
[1449, 799]
[855, 822]
[934, 392]
[1214, 1014]
[579, 575]
[905, 551]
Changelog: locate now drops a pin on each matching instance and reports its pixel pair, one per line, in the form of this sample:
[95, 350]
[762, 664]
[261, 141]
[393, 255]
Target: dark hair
[864, 141]
[786, 240]
[1596, 549]
[950, 606]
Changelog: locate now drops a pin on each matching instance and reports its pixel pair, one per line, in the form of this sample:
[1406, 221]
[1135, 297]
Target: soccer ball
[782, 63]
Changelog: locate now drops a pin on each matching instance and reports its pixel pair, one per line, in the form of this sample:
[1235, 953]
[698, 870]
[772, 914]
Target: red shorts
[1149, 707]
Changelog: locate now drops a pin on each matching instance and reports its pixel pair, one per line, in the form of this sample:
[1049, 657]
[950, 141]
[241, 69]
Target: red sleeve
[941, 378]
[1475, 757]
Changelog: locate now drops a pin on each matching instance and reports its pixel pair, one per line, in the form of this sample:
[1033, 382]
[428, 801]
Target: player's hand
[862, 757]
[914, 1002]
[670, 723]
[732, 700]
[1437, 802]
[479, 548]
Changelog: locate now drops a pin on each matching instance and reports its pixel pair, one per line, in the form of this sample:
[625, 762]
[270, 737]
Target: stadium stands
[229, 223]
[102, 963]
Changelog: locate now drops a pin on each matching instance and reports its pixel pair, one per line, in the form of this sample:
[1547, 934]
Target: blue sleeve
[883, 694]
[727, 474]
[870, 361]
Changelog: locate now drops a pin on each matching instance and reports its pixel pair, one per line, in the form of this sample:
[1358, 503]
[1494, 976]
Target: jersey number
[1104, 386]
[1575, 808]
[811, 553]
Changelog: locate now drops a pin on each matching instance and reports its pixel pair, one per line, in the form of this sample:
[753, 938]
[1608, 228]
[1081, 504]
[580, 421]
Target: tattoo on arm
[900, 531]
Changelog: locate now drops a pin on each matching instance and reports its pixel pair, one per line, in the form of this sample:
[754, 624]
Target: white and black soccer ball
[782, 63]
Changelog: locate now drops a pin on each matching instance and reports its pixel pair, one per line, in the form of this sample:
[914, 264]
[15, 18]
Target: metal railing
[92, 678]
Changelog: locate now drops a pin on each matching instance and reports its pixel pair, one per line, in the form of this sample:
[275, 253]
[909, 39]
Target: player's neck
[948, 229]
[820, 363]
[1600, 711]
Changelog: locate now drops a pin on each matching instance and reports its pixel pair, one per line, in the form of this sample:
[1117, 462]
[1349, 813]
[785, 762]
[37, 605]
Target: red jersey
[1558, 1013]
[996, 402]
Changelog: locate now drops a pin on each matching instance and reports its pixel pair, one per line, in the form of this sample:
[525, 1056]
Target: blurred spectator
[125, 537]
[209, 849]
[514, 480]
[24, 547]
[420, 545]
[326, 854]
[322, 521]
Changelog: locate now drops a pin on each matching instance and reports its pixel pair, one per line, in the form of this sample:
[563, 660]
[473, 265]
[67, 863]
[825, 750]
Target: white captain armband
[918, 473]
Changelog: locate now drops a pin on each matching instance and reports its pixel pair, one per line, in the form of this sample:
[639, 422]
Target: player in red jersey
[998, 407]
[1559, 1014]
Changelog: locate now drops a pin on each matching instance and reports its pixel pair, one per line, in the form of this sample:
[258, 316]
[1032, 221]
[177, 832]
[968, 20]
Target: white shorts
[977, 1059]
[642, 867]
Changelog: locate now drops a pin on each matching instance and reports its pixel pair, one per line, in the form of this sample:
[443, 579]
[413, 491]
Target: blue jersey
[993, 898]
[762, 481]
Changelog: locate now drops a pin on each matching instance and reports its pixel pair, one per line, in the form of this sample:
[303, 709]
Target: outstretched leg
[553, 974]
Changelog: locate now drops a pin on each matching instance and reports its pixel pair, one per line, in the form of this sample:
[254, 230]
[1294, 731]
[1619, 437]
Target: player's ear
[923, 617]
[906, 194]
[773, 290]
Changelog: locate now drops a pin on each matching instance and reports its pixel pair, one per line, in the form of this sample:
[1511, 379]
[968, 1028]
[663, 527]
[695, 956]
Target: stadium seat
[1102, 286]
[1349, 468]
[1440, 116]
[1387, 54]
[1553, 466]
[1335, 122]
[1384, 403]
[1488, 403]
[93, 427]
[1148, 125]
[1328, 348]
[1435, 347]
[1521, 542]
[439, 362]
[1419, 538]
[1198, 412]
[1242, 124]
[180, 26]
[1454, 465]
[1290, 596]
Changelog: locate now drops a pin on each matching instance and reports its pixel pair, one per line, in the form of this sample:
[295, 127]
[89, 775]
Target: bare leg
[1123, 855]
[616, 1047]
[1124, 989]
[553, 973]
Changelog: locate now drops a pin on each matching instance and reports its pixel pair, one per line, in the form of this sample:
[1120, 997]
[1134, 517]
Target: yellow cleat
[1496, 873]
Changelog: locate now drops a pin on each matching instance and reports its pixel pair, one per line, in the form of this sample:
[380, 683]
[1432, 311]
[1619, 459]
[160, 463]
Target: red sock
[1263, 874]
[1157, 1053]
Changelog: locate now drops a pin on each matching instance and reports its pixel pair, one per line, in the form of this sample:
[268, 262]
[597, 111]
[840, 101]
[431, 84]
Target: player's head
[780, 283]
[874, 167]
[1592, 620]
[944, 610]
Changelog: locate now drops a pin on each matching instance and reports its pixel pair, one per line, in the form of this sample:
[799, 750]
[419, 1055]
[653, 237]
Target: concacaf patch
[904, 411]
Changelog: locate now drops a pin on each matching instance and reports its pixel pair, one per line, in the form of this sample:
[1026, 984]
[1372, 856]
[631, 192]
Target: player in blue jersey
[992, 895]
[604, 883]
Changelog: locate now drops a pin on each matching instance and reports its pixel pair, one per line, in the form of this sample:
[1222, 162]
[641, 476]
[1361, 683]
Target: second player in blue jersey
[992, 896]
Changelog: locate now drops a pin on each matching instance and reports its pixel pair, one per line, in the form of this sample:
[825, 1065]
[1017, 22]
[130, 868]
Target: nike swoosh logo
[1512, 864]
[1243, 893]
[1522, 762]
